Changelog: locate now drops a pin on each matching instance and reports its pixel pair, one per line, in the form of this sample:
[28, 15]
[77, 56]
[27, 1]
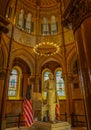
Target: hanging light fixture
[46, 49]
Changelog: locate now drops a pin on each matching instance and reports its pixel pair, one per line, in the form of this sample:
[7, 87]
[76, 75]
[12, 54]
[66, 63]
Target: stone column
[36, 75]
[2, 77]
[38, 83]
[35, 81]
[4, 83]
[38, 23]
[24, 84]
[84, 75]
[86, 36]
[78, 14]
[69, 87]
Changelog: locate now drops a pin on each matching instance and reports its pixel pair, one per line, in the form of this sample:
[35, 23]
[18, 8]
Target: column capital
[3, 73]
[76, 12]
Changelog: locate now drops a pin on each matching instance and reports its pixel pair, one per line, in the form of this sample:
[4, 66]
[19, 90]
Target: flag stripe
[27, 110]
[30, 110]
[58, 111]
[28, 113]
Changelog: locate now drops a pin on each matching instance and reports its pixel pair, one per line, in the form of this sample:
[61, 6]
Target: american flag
[27, 109]
[58, 111]
[57, 108]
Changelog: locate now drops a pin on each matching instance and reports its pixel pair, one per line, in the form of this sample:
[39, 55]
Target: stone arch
[70, 60]
[5, 52]
[22, 64]
[44, 60]
[25, 56]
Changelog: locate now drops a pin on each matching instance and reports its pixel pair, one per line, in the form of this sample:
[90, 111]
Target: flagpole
[6, 79]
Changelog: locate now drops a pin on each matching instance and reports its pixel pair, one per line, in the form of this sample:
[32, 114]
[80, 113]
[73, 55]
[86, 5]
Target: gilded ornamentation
[77, 12]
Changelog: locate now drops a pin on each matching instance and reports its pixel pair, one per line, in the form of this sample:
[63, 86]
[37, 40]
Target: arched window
[53, 25]
[9, 12]
[21, 19]
[14, 83]
[60, 84]
[28, 23]
[45, 26]
[45, 77]
[59, 81]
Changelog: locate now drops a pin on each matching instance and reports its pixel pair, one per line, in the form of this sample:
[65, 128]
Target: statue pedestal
[38, 125]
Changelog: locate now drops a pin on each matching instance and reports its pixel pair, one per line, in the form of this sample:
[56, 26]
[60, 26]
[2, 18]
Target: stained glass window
[45, 26]
[45, 77]
[59, 81]
[13, 83]
[60, 84]
[21, 19]
[53, 25]
[28, 23]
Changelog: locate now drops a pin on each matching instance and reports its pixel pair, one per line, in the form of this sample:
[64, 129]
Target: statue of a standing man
[50, 88]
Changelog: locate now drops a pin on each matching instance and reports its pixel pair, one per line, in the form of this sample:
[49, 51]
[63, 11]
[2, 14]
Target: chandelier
[46, 49]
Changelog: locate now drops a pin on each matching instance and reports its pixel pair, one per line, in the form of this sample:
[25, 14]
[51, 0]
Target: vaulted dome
[41, 3]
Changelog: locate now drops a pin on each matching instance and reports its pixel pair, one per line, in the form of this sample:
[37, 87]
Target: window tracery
[53, 25]
[14, 83]
[28, 23]
[21, 19]
[60, 86]
[45, 26]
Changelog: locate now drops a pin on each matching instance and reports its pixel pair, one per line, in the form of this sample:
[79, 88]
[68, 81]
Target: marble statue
[50, 88]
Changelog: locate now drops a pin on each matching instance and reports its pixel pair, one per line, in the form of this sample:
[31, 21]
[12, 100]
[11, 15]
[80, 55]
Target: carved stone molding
[4, 70]
[2, 74]
[76, 13]
[3, 24]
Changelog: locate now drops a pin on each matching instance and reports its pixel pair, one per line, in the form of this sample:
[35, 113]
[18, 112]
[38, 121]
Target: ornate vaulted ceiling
[40, 9]
[46, 3]
[42, 3]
